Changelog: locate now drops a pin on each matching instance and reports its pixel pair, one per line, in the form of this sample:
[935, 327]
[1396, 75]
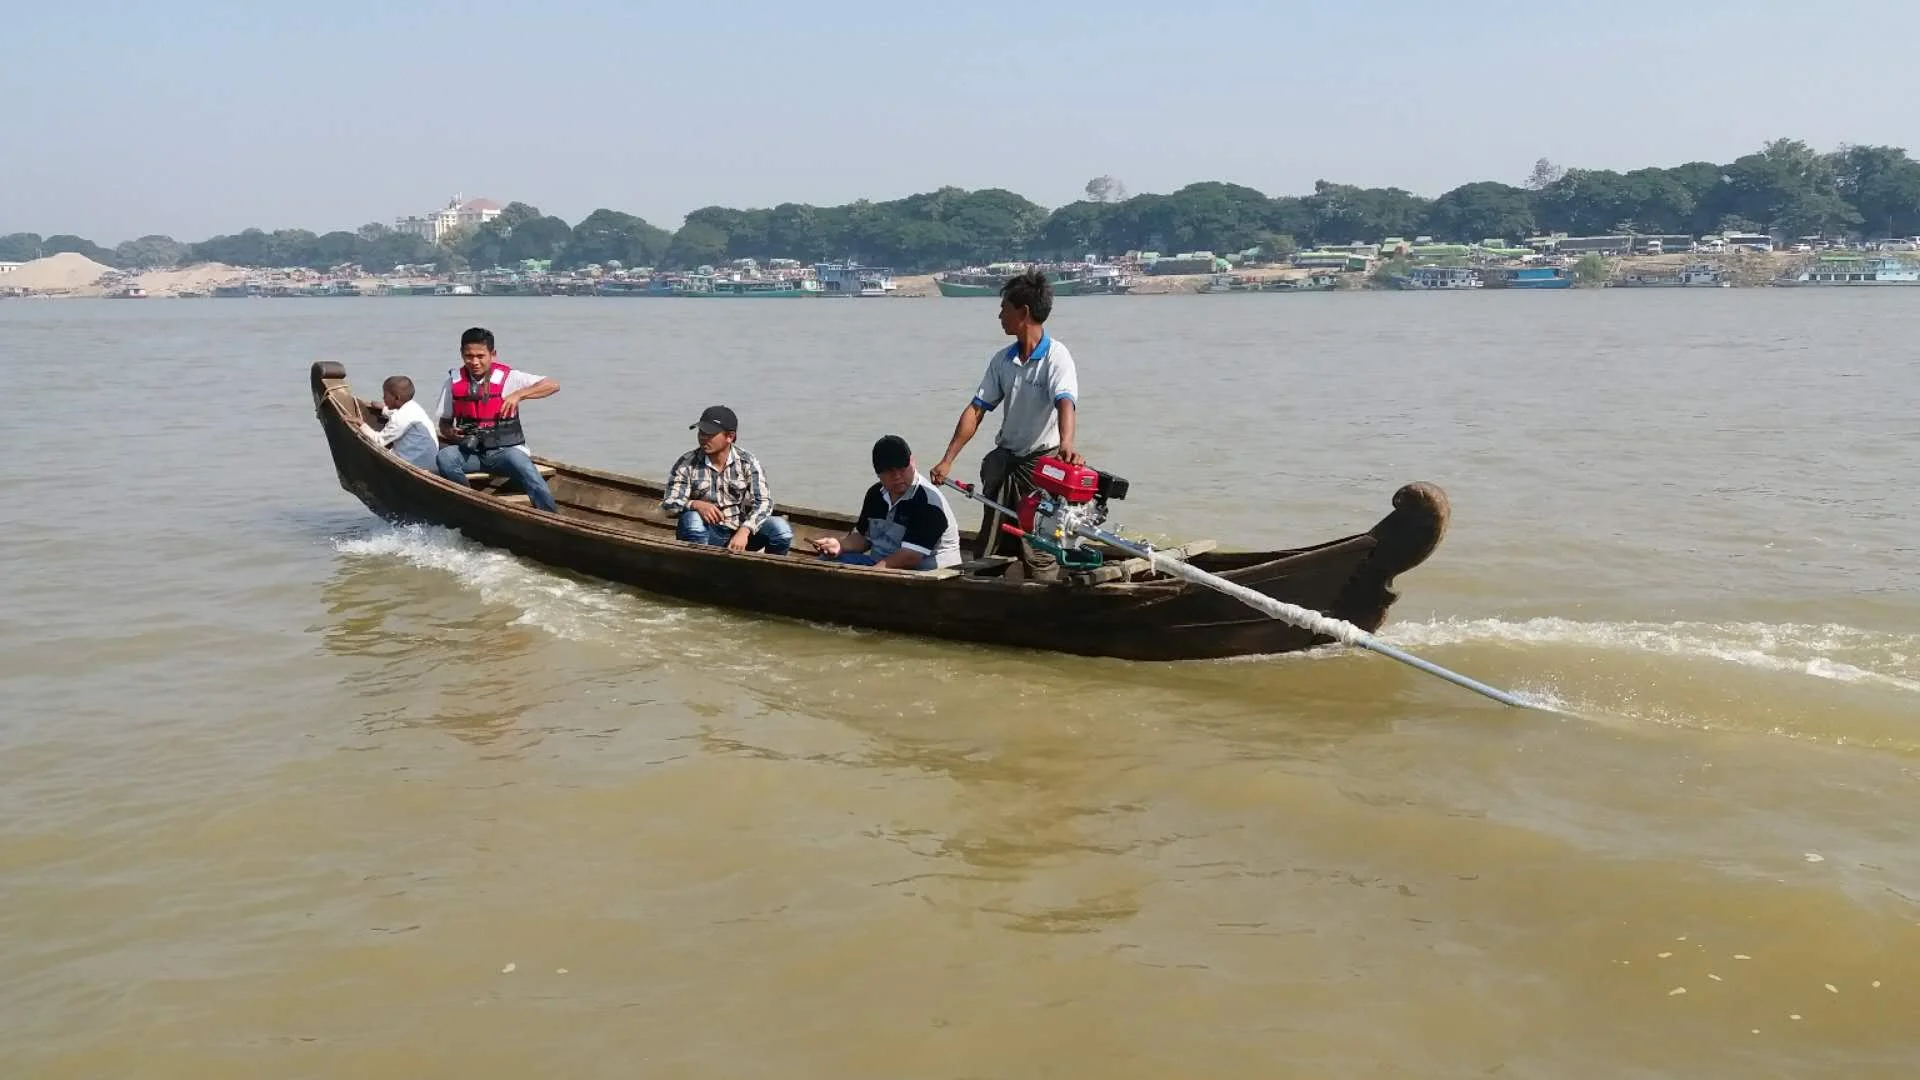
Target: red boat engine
[1067, 495]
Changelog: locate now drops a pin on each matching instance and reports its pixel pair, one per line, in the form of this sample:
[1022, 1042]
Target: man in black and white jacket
[904, 524]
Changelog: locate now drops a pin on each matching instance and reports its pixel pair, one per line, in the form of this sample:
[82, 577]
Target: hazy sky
[192, 118]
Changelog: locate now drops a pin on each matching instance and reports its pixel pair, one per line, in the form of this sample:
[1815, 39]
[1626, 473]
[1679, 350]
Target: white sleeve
[1065, 382]
[445, 409]
[518, 380]
[991, 388]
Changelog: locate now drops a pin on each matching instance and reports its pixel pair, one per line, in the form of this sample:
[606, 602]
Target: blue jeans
[455, 463]
[774, 536]
[865, 558]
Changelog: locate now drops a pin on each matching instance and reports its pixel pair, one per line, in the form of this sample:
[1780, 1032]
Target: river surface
[286, 791]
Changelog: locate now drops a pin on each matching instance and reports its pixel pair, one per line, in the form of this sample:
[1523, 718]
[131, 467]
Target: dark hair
[891, 452]
[399, 386]
[477, 335]
[1032, 291]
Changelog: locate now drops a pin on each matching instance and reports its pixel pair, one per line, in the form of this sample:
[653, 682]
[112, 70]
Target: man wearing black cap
[904, 523]
[719, 494]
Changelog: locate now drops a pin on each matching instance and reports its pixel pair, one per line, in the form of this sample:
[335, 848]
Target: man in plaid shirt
[719, 494]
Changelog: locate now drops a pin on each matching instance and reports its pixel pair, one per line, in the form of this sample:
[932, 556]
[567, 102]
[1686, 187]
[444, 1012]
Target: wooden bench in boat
[494, 482]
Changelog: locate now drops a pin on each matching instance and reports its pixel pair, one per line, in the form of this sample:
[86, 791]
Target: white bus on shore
[1753, 241]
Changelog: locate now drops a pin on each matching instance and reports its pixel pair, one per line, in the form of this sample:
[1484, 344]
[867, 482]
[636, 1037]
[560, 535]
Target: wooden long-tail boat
[611, 526]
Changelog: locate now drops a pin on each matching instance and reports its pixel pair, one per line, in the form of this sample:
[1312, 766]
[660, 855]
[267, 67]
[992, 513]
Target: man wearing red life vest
[480, 418]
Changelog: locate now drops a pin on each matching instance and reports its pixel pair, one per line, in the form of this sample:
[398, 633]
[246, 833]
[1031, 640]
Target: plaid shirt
[739, 490]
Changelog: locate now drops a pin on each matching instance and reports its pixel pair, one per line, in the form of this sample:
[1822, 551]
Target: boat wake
[1822, 682]
[1828, 651]
[1825, 681]
[567, 608]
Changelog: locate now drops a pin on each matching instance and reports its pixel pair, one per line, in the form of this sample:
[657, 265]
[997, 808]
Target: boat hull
[609, 526]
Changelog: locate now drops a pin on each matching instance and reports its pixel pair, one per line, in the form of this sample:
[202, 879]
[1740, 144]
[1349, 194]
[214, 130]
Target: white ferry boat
[1697, 276]
[1439, 277]
[1853, 270]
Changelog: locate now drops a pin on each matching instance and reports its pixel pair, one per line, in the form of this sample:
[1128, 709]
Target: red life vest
[478, 409]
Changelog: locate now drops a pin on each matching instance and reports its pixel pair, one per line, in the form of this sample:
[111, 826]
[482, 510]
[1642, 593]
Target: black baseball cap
[891, 452]
[716, 419]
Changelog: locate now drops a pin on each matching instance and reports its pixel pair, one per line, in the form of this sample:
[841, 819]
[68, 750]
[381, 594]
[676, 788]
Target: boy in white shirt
[409, 431]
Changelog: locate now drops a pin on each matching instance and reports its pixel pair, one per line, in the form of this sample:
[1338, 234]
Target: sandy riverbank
[76, 276]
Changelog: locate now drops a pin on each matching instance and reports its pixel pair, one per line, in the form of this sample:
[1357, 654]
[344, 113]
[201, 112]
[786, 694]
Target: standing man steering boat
[1035, 379]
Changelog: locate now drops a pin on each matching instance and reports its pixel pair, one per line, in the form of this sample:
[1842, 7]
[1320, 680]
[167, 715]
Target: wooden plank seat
[986, 566]
[492, 482]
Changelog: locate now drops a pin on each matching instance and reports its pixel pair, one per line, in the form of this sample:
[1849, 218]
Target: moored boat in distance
[1103, 279]
[852, 279]
[1856, 270]
[1422, 278]
[1695, 276]
[654, 286]
[1527, 277]
[1229, 283]
[710, 286]
[986, 280]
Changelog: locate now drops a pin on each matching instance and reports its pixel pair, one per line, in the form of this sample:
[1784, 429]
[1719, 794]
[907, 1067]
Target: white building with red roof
[458, 213]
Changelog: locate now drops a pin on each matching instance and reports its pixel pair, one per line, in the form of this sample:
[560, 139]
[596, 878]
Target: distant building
[10, 267]
[457, 213]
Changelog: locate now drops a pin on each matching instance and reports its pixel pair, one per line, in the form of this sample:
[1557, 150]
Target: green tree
[1343, 213]
[1790, 188]
[390, 249]
[20, 247]
[1543, 175]
[1882, 184]
[697, 243]
[62, 243]
[1475, 211]
[612, 236]
[293, 247]
[151, 253]
[542, 238]
[1278, 247]
[1074, 230]
[458, 238]
[515, 214]
[336, 248]
[796, 228]
[248, 247]
[1592, 270]
[1105, 189]
[1706, 183]
[1208, 216]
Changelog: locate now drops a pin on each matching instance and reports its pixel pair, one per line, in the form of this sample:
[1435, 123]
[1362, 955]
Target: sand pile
[199, 278]
[56, 273]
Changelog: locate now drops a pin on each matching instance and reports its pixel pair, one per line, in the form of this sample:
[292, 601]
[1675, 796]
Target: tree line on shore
[1786, 188]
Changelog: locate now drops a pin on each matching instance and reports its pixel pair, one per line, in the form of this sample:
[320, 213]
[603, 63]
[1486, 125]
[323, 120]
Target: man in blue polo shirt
[1034, 380]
